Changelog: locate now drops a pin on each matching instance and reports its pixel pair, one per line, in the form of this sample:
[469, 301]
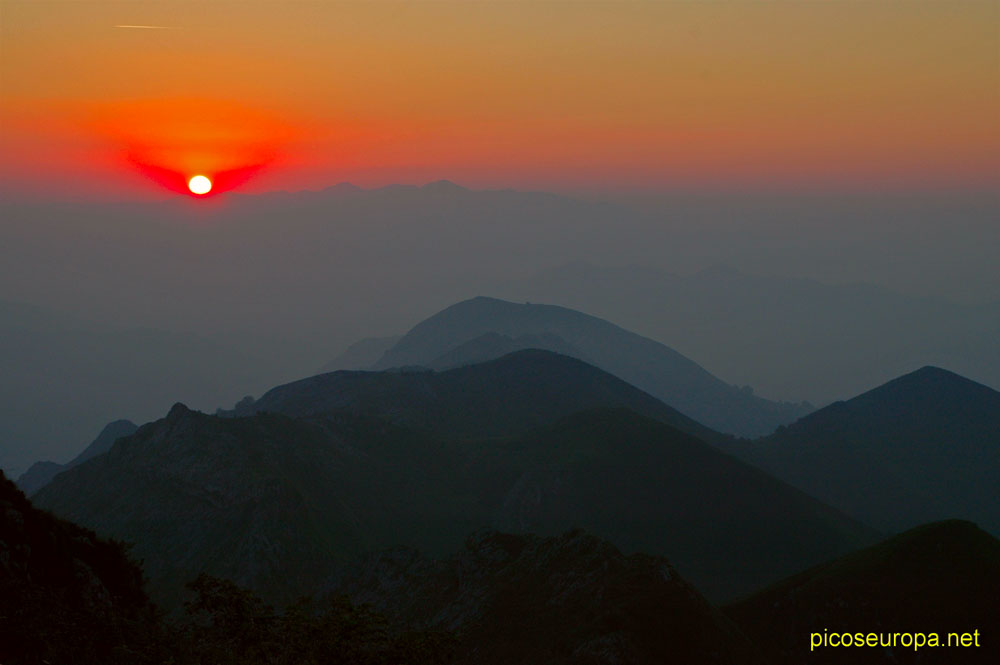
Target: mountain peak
[644, 362]
[342, 188]
[178, 411]
[928, 382]
[443, 186]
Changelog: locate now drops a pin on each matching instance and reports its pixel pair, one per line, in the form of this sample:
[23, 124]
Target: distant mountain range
[923, 447]
[362, 354]
[41, 473]
[941, 577]
[484, 328]
[790, 338]
[567, 599]
[274, 501]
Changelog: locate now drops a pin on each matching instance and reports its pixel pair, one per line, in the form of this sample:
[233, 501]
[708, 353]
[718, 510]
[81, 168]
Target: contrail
[147, 27]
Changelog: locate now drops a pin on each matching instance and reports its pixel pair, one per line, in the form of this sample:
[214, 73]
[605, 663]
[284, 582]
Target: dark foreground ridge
[559, 600]
[65, 594]
[942, 577]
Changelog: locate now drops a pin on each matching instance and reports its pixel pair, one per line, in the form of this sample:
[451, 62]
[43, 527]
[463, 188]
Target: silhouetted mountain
[942, 577]
[275, 503]
[66, 596]
[493, 345]
[567, 599]
[362, 354]
[649, 365]
[41, 473]
[648, 487]
[506, 396]
[261, 501]
[788, 337]
[922, 447]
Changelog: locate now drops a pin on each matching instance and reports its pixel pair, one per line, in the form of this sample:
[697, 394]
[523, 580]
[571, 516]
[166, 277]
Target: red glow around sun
[171, 141]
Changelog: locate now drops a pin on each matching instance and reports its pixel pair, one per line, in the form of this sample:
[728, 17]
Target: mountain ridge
[916, 449]
[645, 363]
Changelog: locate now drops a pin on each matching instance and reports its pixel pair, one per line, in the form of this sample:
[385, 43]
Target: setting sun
[200, 184]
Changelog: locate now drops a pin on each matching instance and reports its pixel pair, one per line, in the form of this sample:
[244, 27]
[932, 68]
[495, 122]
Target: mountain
[572, 598]
[920, 448]
[65, 594]
[492, 345]
[791, 338]
[647, 364]
[506, 396]
[263, 501]
[41, 473]
[648, 487]
[362, 354]
[275, 502]
[941, 577]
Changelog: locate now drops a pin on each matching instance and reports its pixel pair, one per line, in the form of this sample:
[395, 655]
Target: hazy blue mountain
[942, 577]
[643, 362]
[362, 354]
[277, 503]
[38, 476]
[502, 397]
[287, 280]
[789, 337]
[923, 447]
[40, 473]
[568, 599]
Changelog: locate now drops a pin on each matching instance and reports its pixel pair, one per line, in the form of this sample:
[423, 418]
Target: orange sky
[550, 95]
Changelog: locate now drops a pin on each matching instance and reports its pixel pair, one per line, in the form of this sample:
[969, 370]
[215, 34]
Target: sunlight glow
[200, 185]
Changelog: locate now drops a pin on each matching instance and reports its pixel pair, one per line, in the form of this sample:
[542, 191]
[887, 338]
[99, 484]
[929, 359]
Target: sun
[199, 185]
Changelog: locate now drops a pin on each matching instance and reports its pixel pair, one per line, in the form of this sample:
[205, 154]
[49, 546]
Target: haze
[800, 197]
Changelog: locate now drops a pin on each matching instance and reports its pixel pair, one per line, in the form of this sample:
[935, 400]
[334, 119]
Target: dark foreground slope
[501, 397]
[650, 365]
[275, 502]
[923, 447]
[942, 577]
[647, 487]
[41, 473]
[66, 596]
[269, 502]
[560, 600]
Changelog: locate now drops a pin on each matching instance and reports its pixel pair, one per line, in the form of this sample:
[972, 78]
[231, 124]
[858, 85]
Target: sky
[565, 96]
[851, 143]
